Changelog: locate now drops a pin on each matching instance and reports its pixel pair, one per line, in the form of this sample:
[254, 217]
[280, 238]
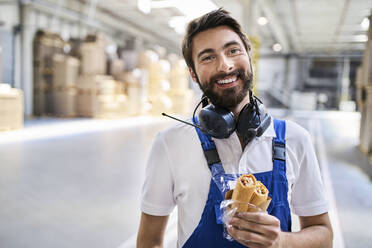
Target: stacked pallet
[11, 105]
[136, 82]
[45, 46]
[158, 81]
[65, 74]
[180, 93]
[98, 95]
[11, 108]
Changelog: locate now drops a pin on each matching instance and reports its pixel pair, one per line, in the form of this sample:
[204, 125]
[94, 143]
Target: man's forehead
[214, 38]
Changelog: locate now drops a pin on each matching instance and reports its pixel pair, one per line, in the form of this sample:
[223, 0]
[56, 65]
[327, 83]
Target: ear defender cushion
[216, 121]
[252, 121]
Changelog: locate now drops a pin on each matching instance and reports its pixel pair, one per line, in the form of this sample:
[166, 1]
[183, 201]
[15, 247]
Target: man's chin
[228, 102]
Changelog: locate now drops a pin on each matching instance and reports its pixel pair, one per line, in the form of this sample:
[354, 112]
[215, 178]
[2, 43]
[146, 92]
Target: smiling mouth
[227, 80]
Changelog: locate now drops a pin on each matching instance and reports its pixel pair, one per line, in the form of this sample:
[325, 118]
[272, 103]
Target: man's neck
[239, 107]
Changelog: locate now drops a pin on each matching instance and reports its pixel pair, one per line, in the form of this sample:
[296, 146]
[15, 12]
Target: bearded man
[181, 173]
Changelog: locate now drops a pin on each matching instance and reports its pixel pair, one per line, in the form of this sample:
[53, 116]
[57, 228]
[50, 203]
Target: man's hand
[256, 230]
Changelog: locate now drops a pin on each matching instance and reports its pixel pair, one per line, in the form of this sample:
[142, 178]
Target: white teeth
[226, 81]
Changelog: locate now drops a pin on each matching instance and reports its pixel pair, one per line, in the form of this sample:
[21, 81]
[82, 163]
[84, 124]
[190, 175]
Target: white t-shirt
[177, 172]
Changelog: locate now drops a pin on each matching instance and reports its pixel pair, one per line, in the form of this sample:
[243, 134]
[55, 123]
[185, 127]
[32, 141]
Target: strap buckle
[212, 156]
[278, 151]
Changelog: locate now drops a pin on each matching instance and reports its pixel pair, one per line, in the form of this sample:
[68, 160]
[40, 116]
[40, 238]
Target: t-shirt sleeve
[308, 191]
[157, 190]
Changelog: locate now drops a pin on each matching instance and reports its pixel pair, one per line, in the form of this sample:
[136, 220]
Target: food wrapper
[229, 209]
[249, 195]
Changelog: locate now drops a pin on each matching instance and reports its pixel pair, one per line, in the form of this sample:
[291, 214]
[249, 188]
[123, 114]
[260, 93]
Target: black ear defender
[220, 123]
[253, 120]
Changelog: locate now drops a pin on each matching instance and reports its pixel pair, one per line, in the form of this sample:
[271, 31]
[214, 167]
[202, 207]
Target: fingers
[259, 218]
[255, 229]
[249, 239]
[249, 226]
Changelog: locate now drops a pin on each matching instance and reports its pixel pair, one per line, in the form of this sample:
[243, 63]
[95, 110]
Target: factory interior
[84, 83]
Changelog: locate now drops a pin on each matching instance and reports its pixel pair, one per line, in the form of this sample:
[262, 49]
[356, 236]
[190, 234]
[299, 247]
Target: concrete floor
[76, 183]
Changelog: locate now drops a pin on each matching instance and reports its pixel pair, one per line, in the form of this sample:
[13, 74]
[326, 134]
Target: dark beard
[231, 97]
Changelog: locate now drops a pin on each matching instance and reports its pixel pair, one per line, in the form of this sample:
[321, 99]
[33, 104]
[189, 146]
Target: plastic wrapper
[241, 194]
[229, 208]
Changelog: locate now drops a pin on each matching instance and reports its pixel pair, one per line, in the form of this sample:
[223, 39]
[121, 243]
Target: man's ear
[193, 75]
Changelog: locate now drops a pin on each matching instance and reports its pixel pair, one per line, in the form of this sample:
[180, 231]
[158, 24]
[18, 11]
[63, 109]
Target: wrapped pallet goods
[180, 94]
[162, 103]
[64, 101]
[99, 93]
[146, 59]
[116, 68]
[158, 81]
[179, 77]
[98, 84]
[158, 78]
[111, 106]
[66, 70]
[63, 93]
[11, 108]
[136, 82]
[75, 45]
[182, 102]
[159, 86]
[45, 46]
[39, 102]
[93, 58]
[98, 38]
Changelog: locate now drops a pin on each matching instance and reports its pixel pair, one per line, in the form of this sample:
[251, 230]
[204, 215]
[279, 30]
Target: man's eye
[234, 51]
[207, 58]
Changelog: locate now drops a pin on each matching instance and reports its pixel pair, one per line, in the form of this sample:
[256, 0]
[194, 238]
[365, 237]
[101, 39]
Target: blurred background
[83, 84]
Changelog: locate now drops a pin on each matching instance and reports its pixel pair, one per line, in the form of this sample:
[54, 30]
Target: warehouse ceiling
[327, 27]
[299, 26]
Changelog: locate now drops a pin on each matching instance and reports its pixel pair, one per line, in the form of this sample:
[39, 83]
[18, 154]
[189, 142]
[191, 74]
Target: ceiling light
[262, 21]
[360, 38]
[178, 23]
[187, 8]
[144, 6]
[365, 23]
[277, 47]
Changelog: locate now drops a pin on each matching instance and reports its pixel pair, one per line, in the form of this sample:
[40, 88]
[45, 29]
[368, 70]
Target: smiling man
[181, 171]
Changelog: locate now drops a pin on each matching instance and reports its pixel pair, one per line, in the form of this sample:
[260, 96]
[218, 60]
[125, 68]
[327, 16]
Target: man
[217, 54]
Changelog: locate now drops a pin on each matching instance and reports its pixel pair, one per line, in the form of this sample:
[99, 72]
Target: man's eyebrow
[230, 44]
[207, 50]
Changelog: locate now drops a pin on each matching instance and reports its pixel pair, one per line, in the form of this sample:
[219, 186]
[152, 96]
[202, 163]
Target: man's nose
[225, 64]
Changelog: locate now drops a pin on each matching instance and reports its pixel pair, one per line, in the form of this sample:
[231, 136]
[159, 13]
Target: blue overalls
[209, 232]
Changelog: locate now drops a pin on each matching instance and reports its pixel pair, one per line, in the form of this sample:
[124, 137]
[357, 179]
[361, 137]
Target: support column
[27, 33]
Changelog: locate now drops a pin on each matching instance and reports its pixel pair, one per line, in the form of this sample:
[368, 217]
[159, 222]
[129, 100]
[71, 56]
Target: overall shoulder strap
[279, 141]
[208, 145]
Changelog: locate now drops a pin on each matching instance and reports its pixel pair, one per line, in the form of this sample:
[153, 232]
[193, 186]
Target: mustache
[219, 76]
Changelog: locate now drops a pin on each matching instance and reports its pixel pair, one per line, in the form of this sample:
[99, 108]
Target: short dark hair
[210, 20]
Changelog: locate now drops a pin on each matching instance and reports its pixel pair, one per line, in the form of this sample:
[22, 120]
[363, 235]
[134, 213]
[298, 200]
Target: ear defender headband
[220, 123]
